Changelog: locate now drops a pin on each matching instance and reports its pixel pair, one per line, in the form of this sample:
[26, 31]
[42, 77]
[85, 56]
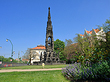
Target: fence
[9, 64]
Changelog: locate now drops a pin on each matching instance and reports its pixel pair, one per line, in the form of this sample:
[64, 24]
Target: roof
[25, 59]
[39, 47]
[90, 32]
[96, 30]
[81, 35]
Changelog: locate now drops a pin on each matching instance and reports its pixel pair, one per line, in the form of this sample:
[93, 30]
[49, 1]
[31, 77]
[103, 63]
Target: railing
[9, 64]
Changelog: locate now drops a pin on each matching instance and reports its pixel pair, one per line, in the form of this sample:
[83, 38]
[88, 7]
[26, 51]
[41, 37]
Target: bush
[72, 72]
[97, 72]
[101, 70]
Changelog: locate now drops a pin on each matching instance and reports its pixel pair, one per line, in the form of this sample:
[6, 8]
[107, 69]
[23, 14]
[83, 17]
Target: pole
[12, 49]
[18, 56]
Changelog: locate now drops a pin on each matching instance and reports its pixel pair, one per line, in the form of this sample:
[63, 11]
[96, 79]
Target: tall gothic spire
[49, 34]
[49, 17]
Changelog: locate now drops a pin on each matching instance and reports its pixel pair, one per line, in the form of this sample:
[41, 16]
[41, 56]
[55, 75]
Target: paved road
[18, 70]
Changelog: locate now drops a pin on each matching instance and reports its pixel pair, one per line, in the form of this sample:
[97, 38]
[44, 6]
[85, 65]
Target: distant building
[36, 53]
[27, 60]
[100, 34]
[17, 59]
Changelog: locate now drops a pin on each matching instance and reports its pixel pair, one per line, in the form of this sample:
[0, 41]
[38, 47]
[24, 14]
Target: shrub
[72, 71]
[99, 71]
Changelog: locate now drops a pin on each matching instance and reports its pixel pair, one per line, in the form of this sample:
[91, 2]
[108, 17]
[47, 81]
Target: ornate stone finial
[49, 8]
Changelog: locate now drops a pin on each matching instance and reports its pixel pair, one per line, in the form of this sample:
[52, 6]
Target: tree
[58, 48]
[104, 49]
[70, 54]
[106, 26]
[94, 49]
[26, 55]
[1, 58]
[7, 59]
[70, 50]
[85, 48]
[59, 45]
[68, 42]
[62, 56]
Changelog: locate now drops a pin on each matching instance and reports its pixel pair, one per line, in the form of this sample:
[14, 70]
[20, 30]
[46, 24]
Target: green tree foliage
[70, 50]
[92, 49]
[106, 26]
[85, 49]
[7, 59]
[68, 42]
[70, 54]
[59, 45]
[58, 48]
[62, 56]
[1, 58]
[104, 48]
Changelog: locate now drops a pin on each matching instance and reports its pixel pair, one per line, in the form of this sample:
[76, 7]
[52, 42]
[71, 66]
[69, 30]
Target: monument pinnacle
[49, 34]
[49, 17]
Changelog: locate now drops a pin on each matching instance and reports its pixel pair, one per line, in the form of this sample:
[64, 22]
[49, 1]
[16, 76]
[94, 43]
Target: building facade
[100, 34]
[36, 53]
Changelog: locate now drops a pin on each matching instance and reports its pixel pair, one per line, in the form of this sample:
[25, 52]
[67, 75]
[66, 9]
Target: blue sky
[24, 22]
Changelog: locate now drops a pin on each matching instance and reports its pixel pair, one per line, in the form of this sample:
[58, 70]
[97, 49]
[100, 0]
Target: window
[49, 41]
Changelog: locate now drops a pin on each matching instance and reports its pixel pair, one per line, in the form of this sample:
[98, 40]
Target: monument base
[49, 63]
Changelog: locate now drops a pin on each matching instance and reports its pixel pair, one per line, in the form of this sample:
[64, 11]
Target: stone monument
[50, 56]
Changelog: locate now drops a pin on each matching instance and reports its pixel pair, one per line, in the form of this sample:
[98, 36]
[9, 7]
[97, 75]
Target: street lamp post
[18, 56]
[1, 58]
[12, 48]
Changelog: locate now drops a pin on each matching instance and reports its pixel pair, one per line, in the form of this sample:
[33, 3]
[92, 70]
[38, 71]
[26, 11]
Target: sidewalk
[19, 70]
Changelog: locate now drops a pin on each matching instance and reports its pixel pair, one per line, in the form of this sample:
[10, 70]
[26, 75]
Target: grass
[35, 67]
[35, 76]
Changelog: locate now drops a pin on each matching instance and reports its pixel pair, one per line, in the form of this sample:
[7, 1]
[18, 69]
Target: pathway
[18, 70]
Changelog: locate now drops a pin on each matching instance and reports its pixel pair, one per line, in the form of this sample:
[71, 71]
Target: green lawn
[35, 67]
[36, 76]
